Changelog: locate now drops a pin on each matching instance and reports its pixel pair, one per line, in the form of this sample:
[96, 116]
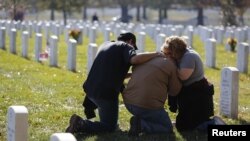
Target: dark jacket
[194, 104]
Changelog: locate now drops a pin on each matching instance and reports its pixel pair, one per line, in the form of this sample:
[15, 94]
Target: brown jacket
[151, 82]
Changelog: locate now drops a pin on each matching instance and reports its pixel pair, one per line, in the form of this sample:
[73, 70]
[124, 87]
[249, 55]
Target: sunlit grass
[52, 94]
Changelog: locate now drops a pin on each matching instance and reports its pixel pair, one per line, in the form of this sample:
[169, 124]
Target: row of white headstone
[18, 126]
[157, 32]
[242, 55]
[18, 115]
[218, 32]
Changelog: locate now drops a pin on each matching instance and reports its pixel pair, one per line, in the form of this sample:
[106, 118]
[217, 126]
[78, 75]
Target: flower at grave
[74, 33]
[232, 42]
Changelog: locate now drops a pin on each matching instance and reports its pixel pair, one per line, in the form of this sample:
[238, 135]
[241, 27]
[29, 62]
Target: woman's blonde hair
[176, 45]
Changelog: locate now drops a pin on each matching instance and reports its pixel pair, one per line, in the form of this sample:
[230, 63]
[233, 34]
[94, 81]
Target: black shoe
[135, 126]
[74, 124]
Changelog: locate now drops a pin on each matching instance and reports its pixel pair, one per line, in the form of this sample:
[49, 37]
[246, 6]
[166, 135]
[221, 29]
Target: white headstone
[150, 30]
[186, 39]
[8, 27]
[47, 32]
[229, 92]
[157, 32]
[248, 35]
[206, 33]
[209, 34]
[242, 57]
[141, 42]
[38, 28]
[25, 44]
[23, 26]
[17, 123]
[210, 52]
[130, 28]
[179, 30]
[80, 37]
[56, 31]
[38, 46]
[66, 33]
[92, 50]
[117, 30]
[72, 55]
[30, 29]
[92, 35]
[2, 38]
[13, 41]
[62, 137]
[240, 35]
[168, 31]
[123, 31]
[17, 25]
[53, 51]
[190, 32]
[160, 40]
[219, 35]
[87, 30]
[107, 32]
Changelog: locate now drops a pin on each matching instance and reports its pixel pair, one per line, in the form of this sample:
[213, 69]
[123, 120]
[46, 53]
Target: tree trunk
[124, 15]
[84, 13]
[144, 12]
[52, 14]
[34, 9]
[64, 16]
[165, 13]
[160, 15]
[14, 10]
[200, 19]
[138, 13]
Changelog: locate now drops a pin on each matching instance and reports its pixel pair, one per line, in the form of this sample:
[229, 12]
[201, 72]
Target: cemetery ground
[53, 94]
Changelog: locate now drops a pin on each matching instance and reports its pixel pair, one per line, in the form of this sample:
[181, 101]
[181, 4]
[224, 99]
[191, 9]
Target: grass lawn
[52, 95]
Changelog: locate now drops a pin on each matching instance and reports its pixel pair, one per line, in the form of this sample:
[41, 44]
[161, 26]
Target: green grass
[52, 95]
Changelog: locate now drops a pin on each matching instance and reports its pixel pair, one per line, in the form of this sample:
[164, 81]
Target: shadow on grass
[216, 68]
[243, 122]
[194, 136]
[123, 136]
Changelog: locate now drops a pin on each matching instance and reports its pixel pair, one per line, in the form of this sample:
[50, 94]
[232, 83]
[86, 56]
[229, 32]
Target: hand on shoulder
[160, 54]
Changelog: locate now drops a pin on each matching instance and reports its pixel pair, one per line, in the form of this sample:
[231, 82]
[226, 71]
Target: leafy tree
[199, 5]
[52, 8]
[230, 9]
[228, 14]
[162, 6]
[144, 7]
[137, 4]
[124, 9]
[241, 8]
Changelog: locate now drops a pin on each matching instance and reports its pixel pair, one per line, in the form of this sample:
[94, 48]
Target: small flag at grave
[43, 56]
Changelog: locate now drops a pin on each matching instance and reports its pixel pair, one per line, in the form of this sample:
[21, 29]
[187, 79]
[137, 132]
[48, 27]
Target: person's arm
[186, 66]
[128, 74]
[144, 57]
[184, 73]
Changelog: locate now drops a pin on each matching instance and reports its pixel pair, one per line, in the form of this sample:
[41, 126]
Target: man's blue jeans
[152, 121]
[108, 114]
